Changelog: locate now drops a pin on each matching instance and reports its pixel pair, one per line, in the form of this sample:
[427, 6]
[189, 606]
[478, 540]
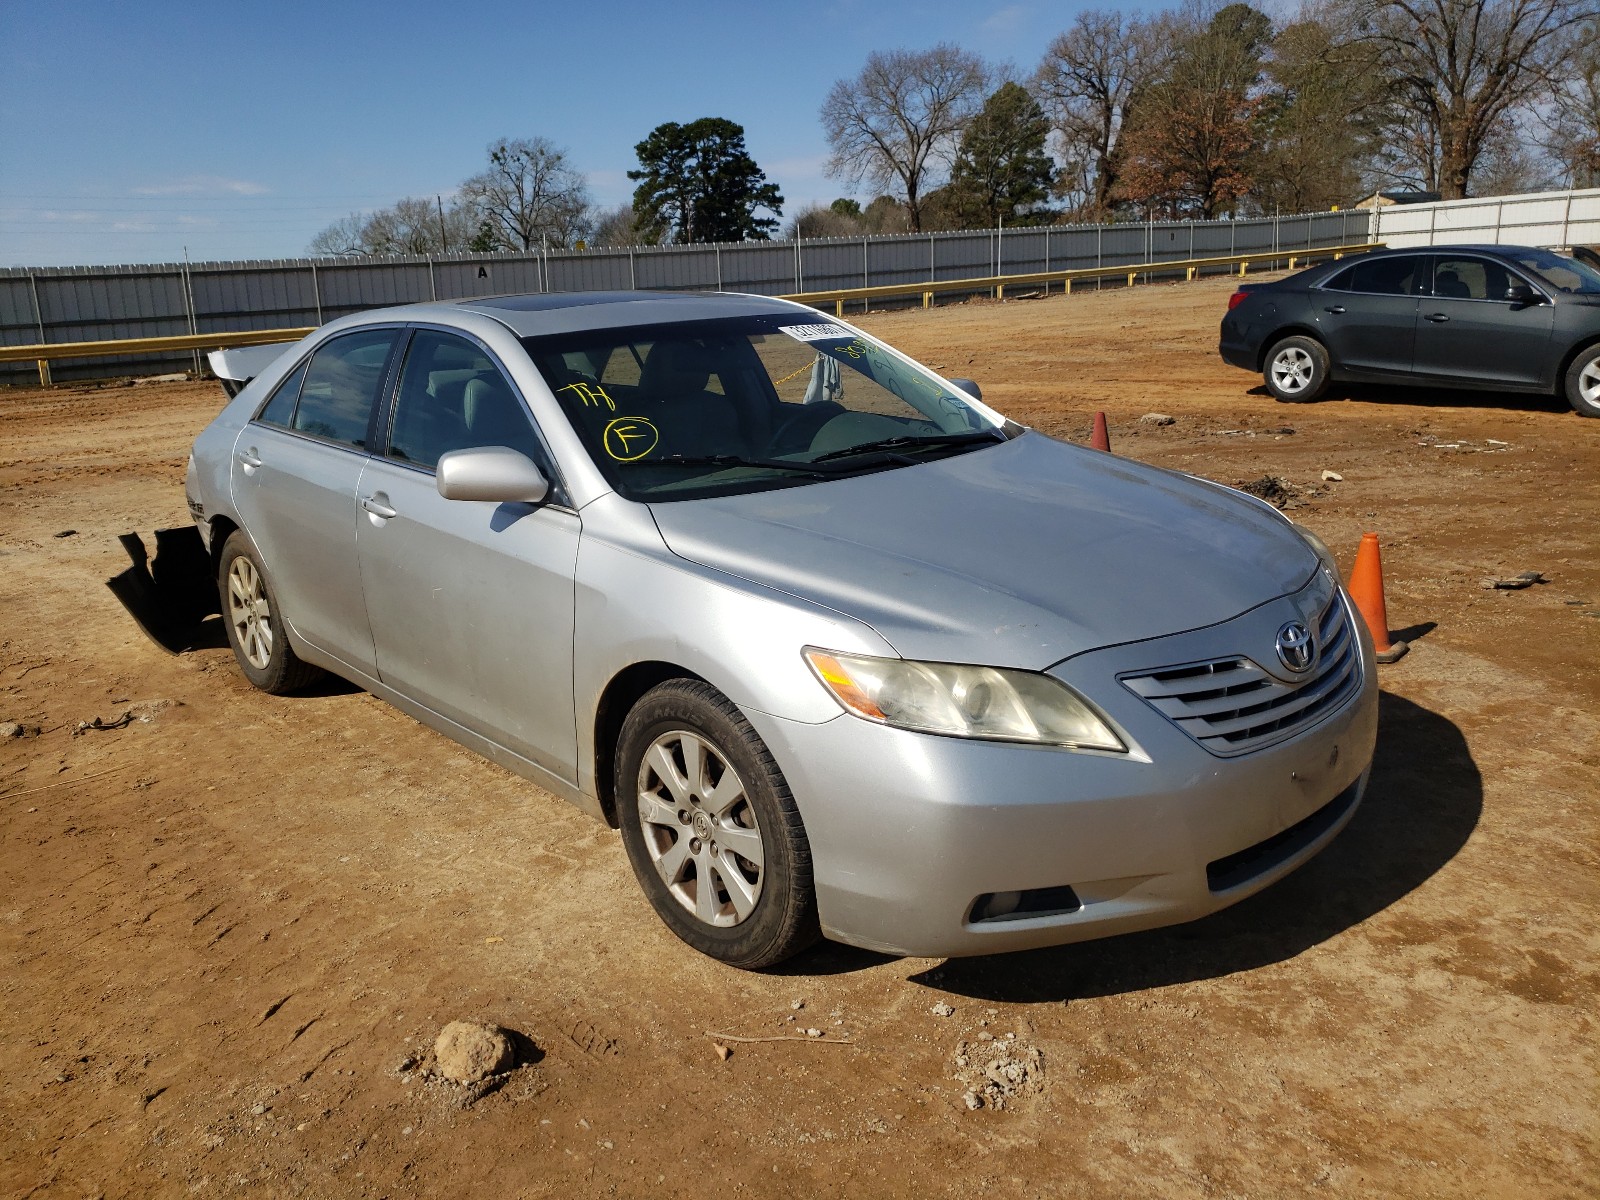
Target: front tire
[1583, 383]
[711, 829]
[1296, 369]
[255, 622]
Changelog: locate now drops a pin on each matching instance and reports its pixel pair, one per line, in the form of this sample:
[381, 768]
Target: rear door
[294, 474]
[1469, 332]
[1369, 313]
[471, 602]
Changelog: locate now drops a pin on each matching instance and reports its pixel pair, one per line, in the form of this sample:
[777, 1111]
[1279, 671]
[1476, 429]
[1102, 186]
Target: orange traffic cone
[1366, 589]
[1100, 439]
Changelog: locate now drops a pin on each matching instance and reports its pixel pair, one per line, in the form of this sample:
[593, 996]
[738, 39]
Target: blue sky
[131, 131]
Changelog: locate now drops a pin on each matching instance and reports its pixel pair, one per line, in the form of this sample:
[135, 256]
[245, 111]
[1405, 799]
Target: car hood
[1014, 555]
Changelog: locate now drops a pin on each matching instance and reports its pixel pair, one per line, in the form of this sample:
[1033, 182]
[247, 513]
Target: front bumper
[908, 830]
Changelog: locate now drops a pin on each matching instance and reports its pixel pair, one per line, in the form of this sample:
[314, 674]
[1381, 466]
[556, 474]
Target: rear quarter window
[279, 408]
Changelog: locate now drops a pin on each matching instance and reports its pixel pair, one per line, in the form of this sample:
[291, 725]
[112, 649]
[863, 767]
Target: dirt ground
[233, 927]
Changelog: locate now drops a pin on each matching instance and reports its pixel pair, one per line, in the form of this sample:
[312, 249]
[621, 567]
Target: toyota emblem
[1295, 647]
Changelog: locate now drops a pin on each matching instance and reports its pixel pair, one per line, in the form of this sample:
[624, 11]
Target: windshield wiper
[913, 441]
[729, 460]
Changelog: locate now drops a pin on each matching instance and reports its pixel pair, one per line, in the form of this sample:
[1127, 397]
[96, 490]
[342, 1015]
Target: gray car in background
[840, 649]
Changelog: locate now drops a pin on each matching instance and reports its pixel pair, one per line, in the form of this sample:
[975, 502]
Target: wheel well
[221, 530]
[1267, 343]
[616, 702]
[1566, 363]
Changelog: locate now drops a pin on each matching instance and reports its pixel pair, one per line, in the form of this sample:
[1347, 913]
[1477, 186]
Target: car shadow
[1422, 803]
[1433, 397]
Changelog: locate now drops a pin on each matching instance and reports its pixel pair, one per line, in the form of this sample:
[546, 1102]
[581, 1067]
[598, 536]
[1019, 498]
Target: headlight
[963, 701]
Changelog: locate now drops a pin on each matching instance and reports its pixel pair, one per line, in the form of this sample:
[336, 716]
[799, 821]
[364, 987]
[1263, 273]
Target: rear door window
[341, 387]
[1388, 276]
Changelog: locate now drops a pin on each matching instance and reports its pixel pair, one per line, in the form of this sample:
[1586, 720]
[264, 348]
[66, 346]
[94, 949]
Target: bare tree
[1572, 118]
[1085, 82]
[898, 121]
[529, 197]
[341, 238]
[411, 226]
[615, 227]
[1461, 66]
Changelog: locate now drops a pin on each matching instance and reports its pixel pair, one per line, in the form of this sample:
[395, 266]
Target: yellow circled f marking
[629, 438]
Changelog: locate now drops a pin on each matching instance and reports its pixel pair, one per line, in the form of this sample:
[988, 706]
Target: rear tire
[1296, 369]
[255, 622]
[1583, 383]
[711, 829]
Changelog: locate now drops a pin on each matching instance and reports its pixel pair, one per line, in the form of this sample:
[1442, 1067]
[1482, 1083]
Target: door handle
[1336, 309]
[378, 508]
[250, 458]
[1436, 318]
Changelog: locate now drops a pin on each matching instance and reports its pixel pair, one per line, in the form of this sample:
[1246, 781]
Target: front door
[1468, 332]
[470, 601]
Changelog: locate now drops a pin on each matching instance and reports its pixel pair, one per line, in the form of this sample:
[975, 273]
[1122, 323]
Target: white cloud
[203, 185]
[1005, 20]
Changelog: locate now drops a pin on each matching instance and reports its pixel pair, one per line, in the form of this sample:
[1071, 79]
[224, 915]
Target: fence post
[316, 290]
[1047, 258]
[933, 277]
[797, 264]
[39, 312]
[433, 285]
[1566, 231]
[633, 279]
[188, 298]
[865, 303]
[719, 267]
[1499, 219]
[1433, 218]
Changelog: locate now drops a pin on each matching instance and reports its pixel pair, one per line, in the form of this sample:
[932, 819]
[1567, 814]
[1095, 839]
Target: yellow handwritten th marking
[628, 438]
[592, 394]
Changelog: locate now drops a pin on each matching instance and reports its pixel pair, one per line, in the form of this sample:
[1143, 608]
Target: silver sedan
[841, 650]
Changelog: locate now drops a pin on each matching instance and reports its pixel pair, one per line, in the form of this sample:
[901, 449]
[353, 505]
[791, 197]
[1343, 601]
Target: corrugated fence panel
[92, 303]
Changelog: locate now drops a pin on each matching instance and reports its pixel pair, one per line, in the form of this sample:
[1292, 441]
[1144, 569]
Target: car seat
[673, 394]
[495, 418]
[1448, 285]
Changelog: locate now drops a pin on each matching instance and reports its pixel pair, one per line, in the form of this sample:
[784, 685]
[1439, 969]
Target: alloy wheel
[700, 829]
[1292, 370]
[250, 612]
[1589, 382]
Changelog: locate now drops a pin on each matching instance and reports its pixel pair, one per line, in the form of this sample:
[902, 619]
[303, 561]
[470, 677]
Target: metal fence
[1533, 219]
[70, 304]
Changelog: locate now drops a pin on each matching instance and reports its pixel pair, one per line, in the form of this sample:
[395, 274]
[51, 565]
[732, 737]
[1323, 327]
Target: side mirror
[970, 387]
[1521, 293]
[495, 473]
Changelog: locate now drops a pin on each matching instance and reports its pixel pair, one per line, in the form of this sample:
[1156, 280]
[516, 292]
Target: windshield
[678, 412]
[1563, 274]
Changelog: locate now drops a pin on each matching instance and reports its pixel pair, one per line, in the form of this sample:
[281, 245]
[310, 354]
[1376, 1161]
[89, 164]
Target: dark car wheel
[255, 622]
[1296, 369]
[711, 829]
[1583, 383]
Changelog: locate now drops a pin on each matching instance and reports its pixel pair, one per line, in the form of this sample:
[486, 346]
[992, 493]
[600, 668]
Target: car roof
[574, 312]
[1449, 247]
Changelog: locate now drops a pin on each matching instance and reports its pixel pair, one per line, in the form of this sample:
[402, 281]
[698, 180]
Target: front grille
[1231, 706]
